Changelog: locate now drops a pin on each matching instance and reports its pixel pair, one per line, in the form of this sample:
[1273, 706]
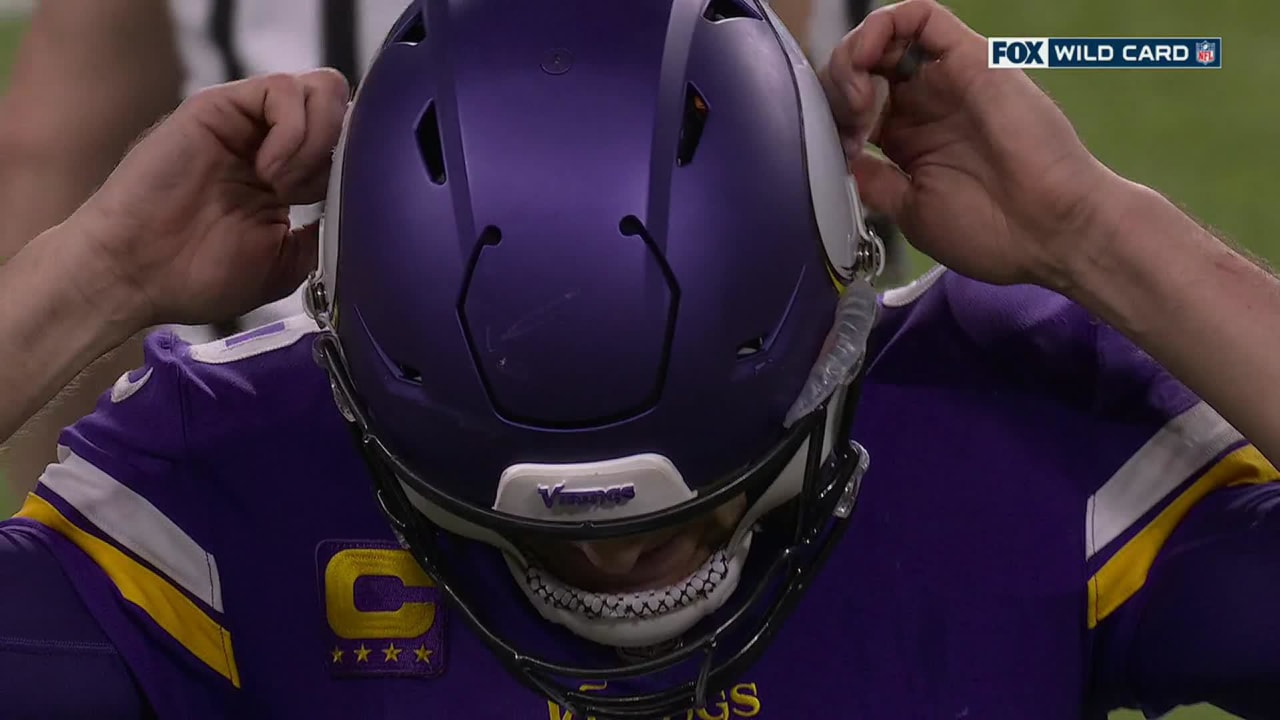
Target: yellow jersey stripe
[132, 522]
[1174, 453]
[1126, 572]
[164, 603]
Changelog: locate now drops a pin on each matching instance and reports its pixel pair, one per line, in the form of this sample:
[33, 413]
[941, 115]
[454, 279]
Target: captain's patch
[383, 614]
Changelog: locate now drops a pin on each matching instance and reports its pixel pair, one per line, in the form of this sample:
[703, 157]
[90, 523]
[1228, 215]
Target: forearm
[1206, 312]
[57, 315]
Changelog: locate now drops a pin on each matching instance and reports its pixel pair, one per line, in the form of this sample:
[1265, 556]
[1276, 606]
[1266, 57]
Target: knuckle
[280, 82]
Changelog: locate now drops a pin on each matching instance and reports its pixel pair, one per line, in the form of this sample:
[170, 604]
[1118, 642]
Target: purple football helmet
[594, 269]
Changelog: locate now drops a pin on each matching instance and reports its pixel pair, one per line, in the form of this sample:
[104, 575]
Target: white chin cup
[629, 620]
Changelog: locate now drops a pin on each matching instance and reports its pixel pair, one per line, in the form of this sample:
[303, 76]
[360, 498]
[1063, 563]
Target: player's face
[641, 562]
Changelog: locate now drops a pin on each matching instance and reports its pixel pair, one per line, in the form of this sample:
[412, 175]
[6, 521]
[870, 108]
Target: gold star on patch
[337, 656]
[362, 653]
[424, 655]
[392, 653]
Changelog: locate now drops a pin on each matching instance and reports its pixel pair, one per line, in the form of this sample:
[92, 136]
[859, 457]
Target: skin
[987, 176]
[87, 80]
[195, 220]
[642, 562]
[983, 172]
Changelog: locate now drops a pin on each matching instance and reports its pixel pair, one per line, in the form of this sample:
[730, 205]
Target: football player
[592, 306]
[91, 76]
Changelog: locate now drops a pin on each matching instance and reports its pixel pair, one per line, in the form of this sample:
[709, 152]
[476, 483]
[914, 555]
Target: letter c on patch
[410, 620]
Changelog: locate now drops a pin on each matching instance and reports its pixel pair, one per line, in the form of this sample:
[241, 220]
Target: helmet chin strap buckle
[315, 301]
[869, 257]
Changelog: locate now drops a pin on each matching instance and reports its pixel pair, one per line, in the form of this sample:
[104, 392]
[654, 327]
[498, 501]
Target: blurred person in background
[91, 76]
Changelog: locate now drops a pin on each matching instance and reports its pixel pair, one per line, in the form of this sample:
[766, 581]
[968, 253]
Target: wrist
[112, 306]
[1131, 256]
[1090, 236]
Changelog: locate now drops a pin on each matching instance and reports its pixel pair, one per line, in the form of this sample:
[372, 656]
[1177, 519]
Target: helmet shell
[538, 265]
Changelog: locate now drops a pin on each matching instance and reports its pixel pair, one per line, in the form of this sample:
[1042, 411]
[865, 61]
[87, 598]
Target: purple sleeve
[55, 662]
[1205, 627]
[126, 521]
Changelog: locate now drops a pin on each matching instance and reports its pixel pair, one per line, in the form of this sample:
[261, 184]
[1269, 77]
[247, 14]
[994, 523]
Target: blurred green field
[1204, 137]
[9, 33]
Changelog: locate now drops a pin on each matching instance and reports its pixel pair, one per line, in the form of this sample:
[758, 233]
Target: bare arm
[89, 77]
[1203, 310]
[61, 311]
[986, 174]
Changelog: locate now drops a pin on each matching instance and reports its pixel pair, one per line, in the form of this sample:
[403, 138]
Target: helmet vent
[751, 347]
[430, 145]
[490, 236]
[718, 10]
[409, 373]
[630, 226]
[415, 32]
[695, 120]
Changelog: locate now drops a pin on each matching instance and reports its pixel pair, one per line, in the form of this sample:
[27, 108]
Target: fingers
[295, 157]
[876, 48]
[297, 257]
[286, 125]
[925, 23]
[881, 185]
[283, 111]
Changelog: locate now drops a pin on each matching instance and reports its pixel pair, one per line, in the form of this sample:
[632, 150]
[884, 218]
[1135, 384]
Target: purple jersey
[1027, 466]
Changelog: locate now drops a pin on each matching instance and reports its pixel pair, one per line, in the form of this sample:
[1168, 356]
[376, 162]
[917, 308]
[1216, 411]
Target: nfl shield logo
[1205, 52]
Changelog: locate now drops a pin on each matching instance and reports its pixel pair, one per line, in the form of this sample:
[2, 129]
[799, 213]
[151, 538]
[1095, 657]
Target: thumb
[882, 186]
[296, 259]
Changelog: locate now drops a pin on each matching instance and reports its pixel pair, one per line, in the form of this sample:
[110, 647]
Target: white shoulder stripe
[1177, 450]
[133, 522]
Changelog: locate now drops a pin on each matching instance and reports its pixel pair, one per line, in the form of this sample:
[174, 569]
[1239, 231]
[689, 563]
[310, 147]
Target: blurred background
[1206, 138]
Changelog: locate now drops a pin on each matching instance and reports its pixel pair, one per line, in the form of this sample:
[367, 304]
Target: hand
[984, 173]
[193, 225]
